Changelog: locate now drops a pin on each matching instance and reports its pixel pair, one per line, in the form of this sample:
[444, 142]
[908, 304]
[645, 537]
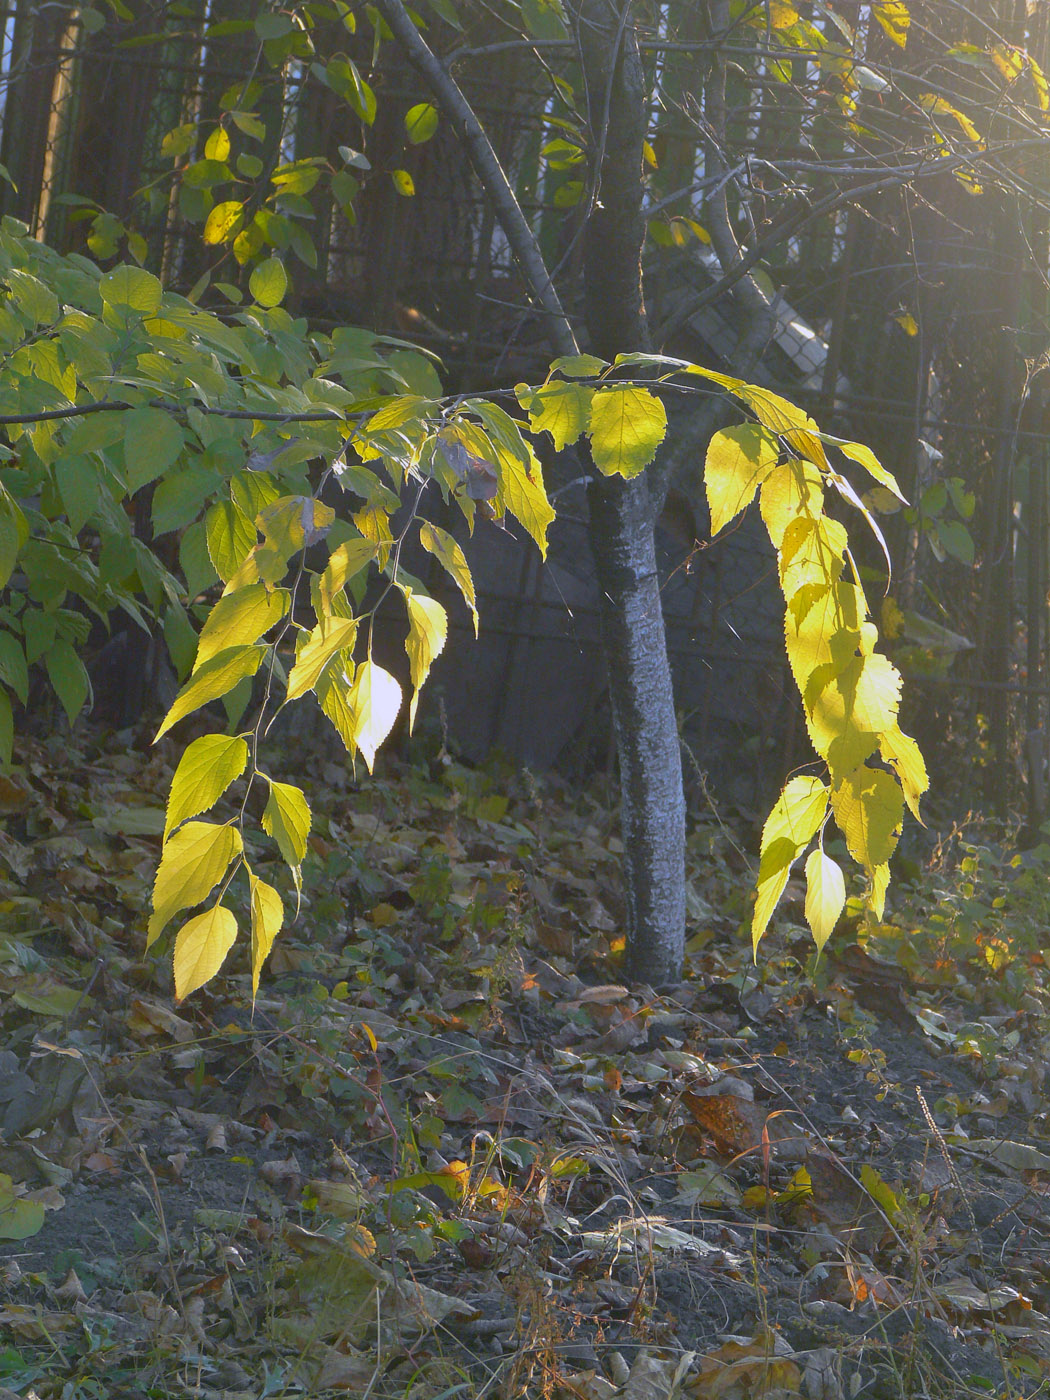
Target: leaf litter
[447, 1152]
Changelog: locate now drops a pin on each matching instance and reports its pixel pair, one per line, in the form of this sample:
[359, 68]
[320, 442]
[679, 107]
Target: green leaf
[267, 917]
[207, 768]
[231, 537]
[286, 818]
[7, 729]
[561, 409]
[19, 1218]
[194, 861]
[739, 459]
[153, 440]
[447, 552]
[215, 678]
[374, 701]
[427, 634]
[201, 946]
[825, 895]
[239, 618]
[130, 288]
[32, 297]
[69, 677]
[269, 282]
[14, 672]
[869, 809]
[627, 425]
[421, 122]
[544, 19]
[78, 484]
[579, 366]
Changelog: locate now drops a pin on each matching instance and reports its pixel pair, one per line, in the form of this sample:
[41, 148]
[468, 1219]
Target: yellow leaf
[344, 564]
[333, 693]
[792, 824]
[325, 642]
[848, 716]
[739, 459]
[902, 753]
[522, 492]
[267, 918]
[447, 552]
[427, 634]
[207, 768]
[940, 106]
[825, 895]
[200, 949]
[1010, 62]
[789, 492]
[559, 408]
[286, 817]
[869, 808]
[374, 702]
[240, 618]
[627, 425]
[907, 322]
[224, 221]
[289, 525]
[823, 637]
[216, 678]
[797, 813]
[812, 552]
[880, 880]
[780, 416]
[895, 19]
[194, 861]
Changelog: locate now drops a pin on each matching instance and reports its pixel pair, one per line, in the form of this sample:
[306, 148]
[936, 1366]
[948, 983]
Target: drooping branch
[494, 182]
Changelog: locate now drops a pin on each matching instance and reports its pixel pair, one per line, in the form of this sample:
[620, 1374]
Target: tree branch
[486, 165]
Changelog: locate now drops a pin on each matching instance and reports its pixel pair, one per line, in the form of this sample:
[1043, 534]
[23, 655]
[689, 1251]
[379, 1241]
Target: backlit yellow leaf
[325, 642]
[848, 716]
[825, 895]
[559, 408]
[869, 808]
[738, 461]
[427, 633]
[286, 817]
[344, 564]
[374, 701]
[447, 552]
[216, 678]
[824, 635]
[792, 824]
[902, 753]
[207, 768]
[812, 552]
[201, 947]
[194, 861]
[791, 491]
[627, 425]
[267, 918]
[240, 618]
[895, 19]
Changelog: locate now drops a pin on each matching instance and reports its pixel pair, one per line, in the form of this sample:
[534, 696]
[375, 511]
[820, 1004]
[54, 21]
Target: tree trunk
[623, 516]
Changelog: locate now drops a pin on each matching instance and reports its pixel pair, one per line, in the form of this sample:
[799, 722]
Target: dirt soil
[448, 1152]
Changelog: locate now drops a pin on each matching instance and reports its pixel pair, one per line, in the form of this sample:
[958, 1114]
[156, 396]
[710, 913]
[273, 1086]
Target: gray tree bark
[623, 514]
